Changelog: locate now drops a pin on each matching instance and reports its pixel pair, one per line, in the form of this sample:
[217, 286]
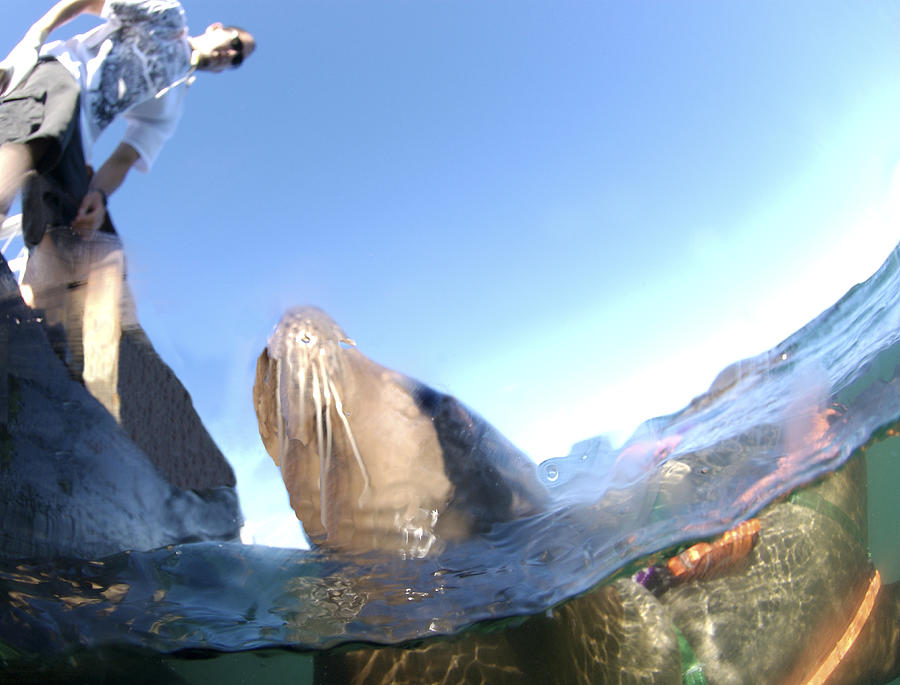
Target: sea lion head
[372, 459]
[359, 460]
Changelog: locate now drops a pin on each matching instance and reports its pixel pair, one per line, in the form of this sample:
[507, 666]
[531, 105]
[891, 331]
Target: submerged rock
[73, 482]
[159, 417]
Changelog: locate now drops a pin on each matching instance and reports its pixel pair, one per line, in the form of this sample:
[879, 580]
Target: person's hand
[91, 214]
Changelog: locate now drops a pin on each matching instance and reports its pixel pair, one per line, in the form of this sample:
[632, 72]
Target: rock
[73, 482]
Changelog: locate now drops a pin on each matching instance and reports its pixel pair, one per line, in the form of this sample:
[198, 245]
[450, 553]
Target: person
[57, 98]
[55, 101]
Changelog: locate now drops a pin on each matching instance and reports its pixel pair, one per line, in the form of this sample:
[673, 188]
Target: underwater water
[767, 426]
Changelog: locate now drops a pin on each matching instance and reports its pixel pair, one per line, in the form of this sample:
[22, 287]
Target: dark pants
[44, 112]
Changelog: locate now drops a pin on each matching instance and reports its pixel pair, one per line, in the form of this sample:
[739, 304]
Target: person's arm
[24, 55]
[62, 13]
[104, 183]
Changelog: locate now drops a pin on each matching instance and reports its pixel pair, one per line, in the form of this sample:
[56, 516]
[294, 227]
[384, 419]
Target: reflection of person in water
[78, 284]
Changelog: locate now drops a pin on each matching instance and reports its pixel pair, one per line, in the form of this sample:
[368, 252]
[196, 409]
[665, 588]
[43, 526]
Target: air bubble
[552, 474]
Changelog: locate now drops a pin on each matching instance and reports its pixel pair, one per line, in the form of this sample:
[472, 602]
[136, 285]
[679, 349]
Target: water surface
[767, 426]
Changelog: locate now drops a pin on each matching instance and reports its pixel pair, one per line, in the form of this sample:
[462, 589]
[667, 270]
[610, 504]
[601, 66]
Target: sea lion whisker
[317, 400]
[301, 383]
[329, 432]
[291, 385]
[339, 406]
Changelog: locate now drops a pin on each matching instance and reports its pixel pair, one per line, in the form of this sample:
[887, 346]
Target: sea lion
[373, 459]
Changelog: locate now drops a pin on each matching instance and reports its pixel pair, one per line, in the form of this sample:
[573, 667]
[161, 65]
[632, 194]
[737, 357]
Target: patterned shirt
[122, 65]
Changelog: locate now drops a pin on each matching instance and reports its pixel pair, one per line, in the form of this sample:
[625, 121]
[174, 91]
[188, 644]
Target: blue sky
[569, 214]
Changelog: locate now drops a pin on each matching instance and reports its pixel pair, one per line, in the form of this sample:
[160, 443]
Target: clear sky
[569, 214]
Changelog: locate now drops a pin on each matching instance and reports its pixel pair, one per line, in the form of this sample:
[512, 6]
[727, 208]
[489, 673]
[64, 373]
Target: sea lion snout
[308, 326]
